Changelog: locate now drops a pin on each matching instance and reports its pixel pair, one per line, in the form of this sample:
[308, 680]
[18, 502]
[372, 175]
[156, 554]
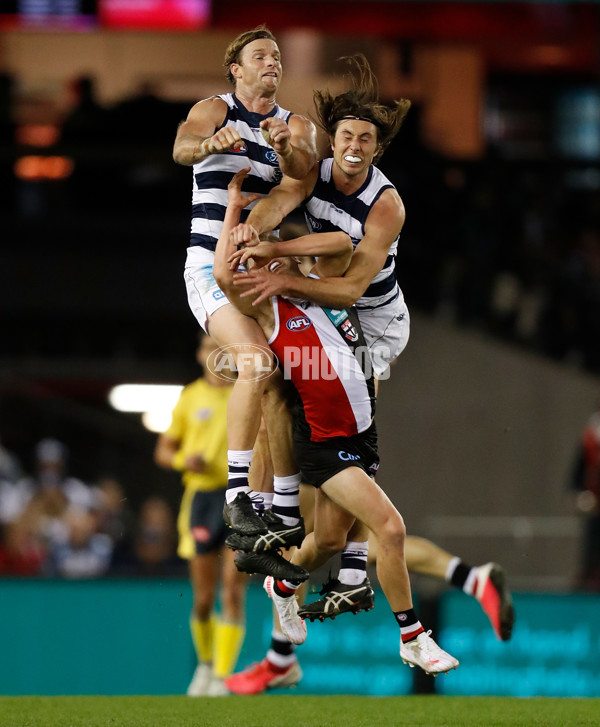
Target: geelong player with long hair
[334, 442]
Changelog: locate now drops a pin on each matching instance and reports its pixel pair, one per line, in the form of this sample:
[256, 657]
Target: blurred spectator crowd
[53, 524]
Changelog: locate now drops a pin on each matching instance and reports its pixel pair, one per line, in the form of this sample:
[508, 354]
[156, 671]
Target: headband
[357, 118]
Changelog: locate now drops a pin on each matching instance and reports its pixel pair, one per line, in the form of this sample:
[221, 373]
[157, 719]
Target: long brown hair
[361, 101]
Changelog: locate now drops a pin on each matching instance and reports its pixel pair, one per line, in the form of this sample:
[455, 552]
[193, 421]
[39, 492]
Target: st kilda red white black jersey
[323, 352]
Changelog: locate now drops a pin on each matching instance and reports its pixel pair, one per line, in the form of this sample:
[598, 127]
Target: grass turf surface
[297, 711]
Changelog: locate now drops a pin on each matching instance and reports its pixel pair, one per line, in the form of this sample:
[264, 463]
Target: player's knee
[329, 542]
[233, 600]
[392, 531]
[254, 366]
[203, 605]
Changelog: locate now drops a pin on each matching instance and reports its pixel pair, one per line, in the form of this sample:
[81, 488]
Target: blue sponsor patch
[299, 323]
[336, 316]
[347, 457]
[218, 294]
[207, 274]
[271, 156]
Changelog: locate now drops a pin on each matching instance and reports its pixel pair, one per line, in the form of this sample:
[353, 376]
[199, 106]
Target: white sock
[353, 570]
[238, 463]
[286, 499]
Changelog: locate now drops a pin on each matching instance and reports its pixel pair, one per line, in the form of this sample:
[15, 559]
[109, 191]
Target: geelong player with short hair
[220, 136]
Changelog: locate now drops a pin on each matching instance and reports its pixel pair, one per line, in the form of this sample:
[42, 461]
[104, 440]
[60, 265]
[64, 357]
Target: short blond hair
[234, 49]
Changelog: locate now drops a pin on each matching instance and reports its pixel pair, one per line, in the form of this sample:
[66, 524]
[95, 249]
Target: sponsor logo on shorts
[207, 276]
[347, 457]
[201, 534]
[218, 294]
[298, 323]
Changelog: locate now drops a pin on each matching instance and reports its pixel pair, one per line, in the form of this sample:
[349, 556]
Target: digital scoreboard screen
[154, 14]
[48, 14]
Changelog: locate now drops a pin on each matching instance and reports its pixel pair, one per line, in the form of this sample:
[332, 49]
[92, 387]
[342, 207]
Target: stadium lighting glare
[144, 397]
[157, 420]
[154, 402]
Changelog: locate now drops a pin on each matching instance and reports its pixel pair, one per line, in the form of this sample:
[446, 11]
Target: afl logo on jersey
[299, 323]
[241, 149]
[271, 156]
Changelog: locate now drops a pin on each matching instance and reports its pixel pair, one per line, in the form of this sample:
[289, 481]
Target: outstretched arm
[294, 142]
[226, 247]
[268, 214]
[334, 250]
[383, 225]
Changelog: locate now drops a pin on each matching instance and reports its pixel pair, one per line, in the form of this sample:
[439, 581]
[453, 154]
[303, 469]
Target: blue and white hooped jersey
[327, 210]
[213, 174]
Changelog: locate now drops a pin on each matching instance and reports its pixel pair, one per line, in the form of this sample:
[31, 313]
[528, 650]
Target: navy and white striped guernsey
[327, 210]
[213, 174]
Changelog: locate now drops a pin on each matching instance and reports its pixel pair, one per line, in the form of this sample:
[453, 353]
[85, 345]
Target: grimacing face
[354, 146]
[259, 65]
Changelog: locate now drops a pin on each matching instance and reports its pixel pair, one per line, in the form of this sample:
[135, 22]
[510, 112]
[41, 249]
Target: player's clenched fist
[244, 234]
[223, 140]
[277, 133]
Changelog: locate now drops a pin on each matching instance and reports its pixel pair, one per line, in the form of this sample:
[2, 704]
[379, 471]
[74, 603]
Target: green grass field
[297, 711]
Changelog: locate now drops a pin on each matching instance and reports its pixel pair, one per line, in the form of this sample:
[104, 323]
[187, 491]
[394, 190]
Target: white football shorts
[204, 295]
[386, 330]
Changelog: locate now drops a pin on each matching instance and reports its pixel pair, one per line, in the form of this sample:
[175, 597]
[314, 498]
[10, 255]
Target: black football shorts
[319, 461]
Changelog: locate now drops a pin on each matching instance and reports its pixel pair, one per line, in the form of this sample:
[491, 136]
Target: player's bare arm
[225, 248]
[333, 248]
[294, 142]
[382, 227]
[165, 455]
[270, 211]
[197, 137]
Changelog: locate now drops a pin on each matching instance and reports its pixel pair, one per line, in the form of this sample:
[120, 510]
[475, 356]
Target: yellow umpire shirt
[199, 424]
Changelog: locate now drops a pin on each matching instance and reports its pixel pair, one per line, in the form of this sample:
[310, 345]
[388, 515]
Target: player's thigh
[203, 294]
[229, 327]
[332, 523]
[353, 490]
